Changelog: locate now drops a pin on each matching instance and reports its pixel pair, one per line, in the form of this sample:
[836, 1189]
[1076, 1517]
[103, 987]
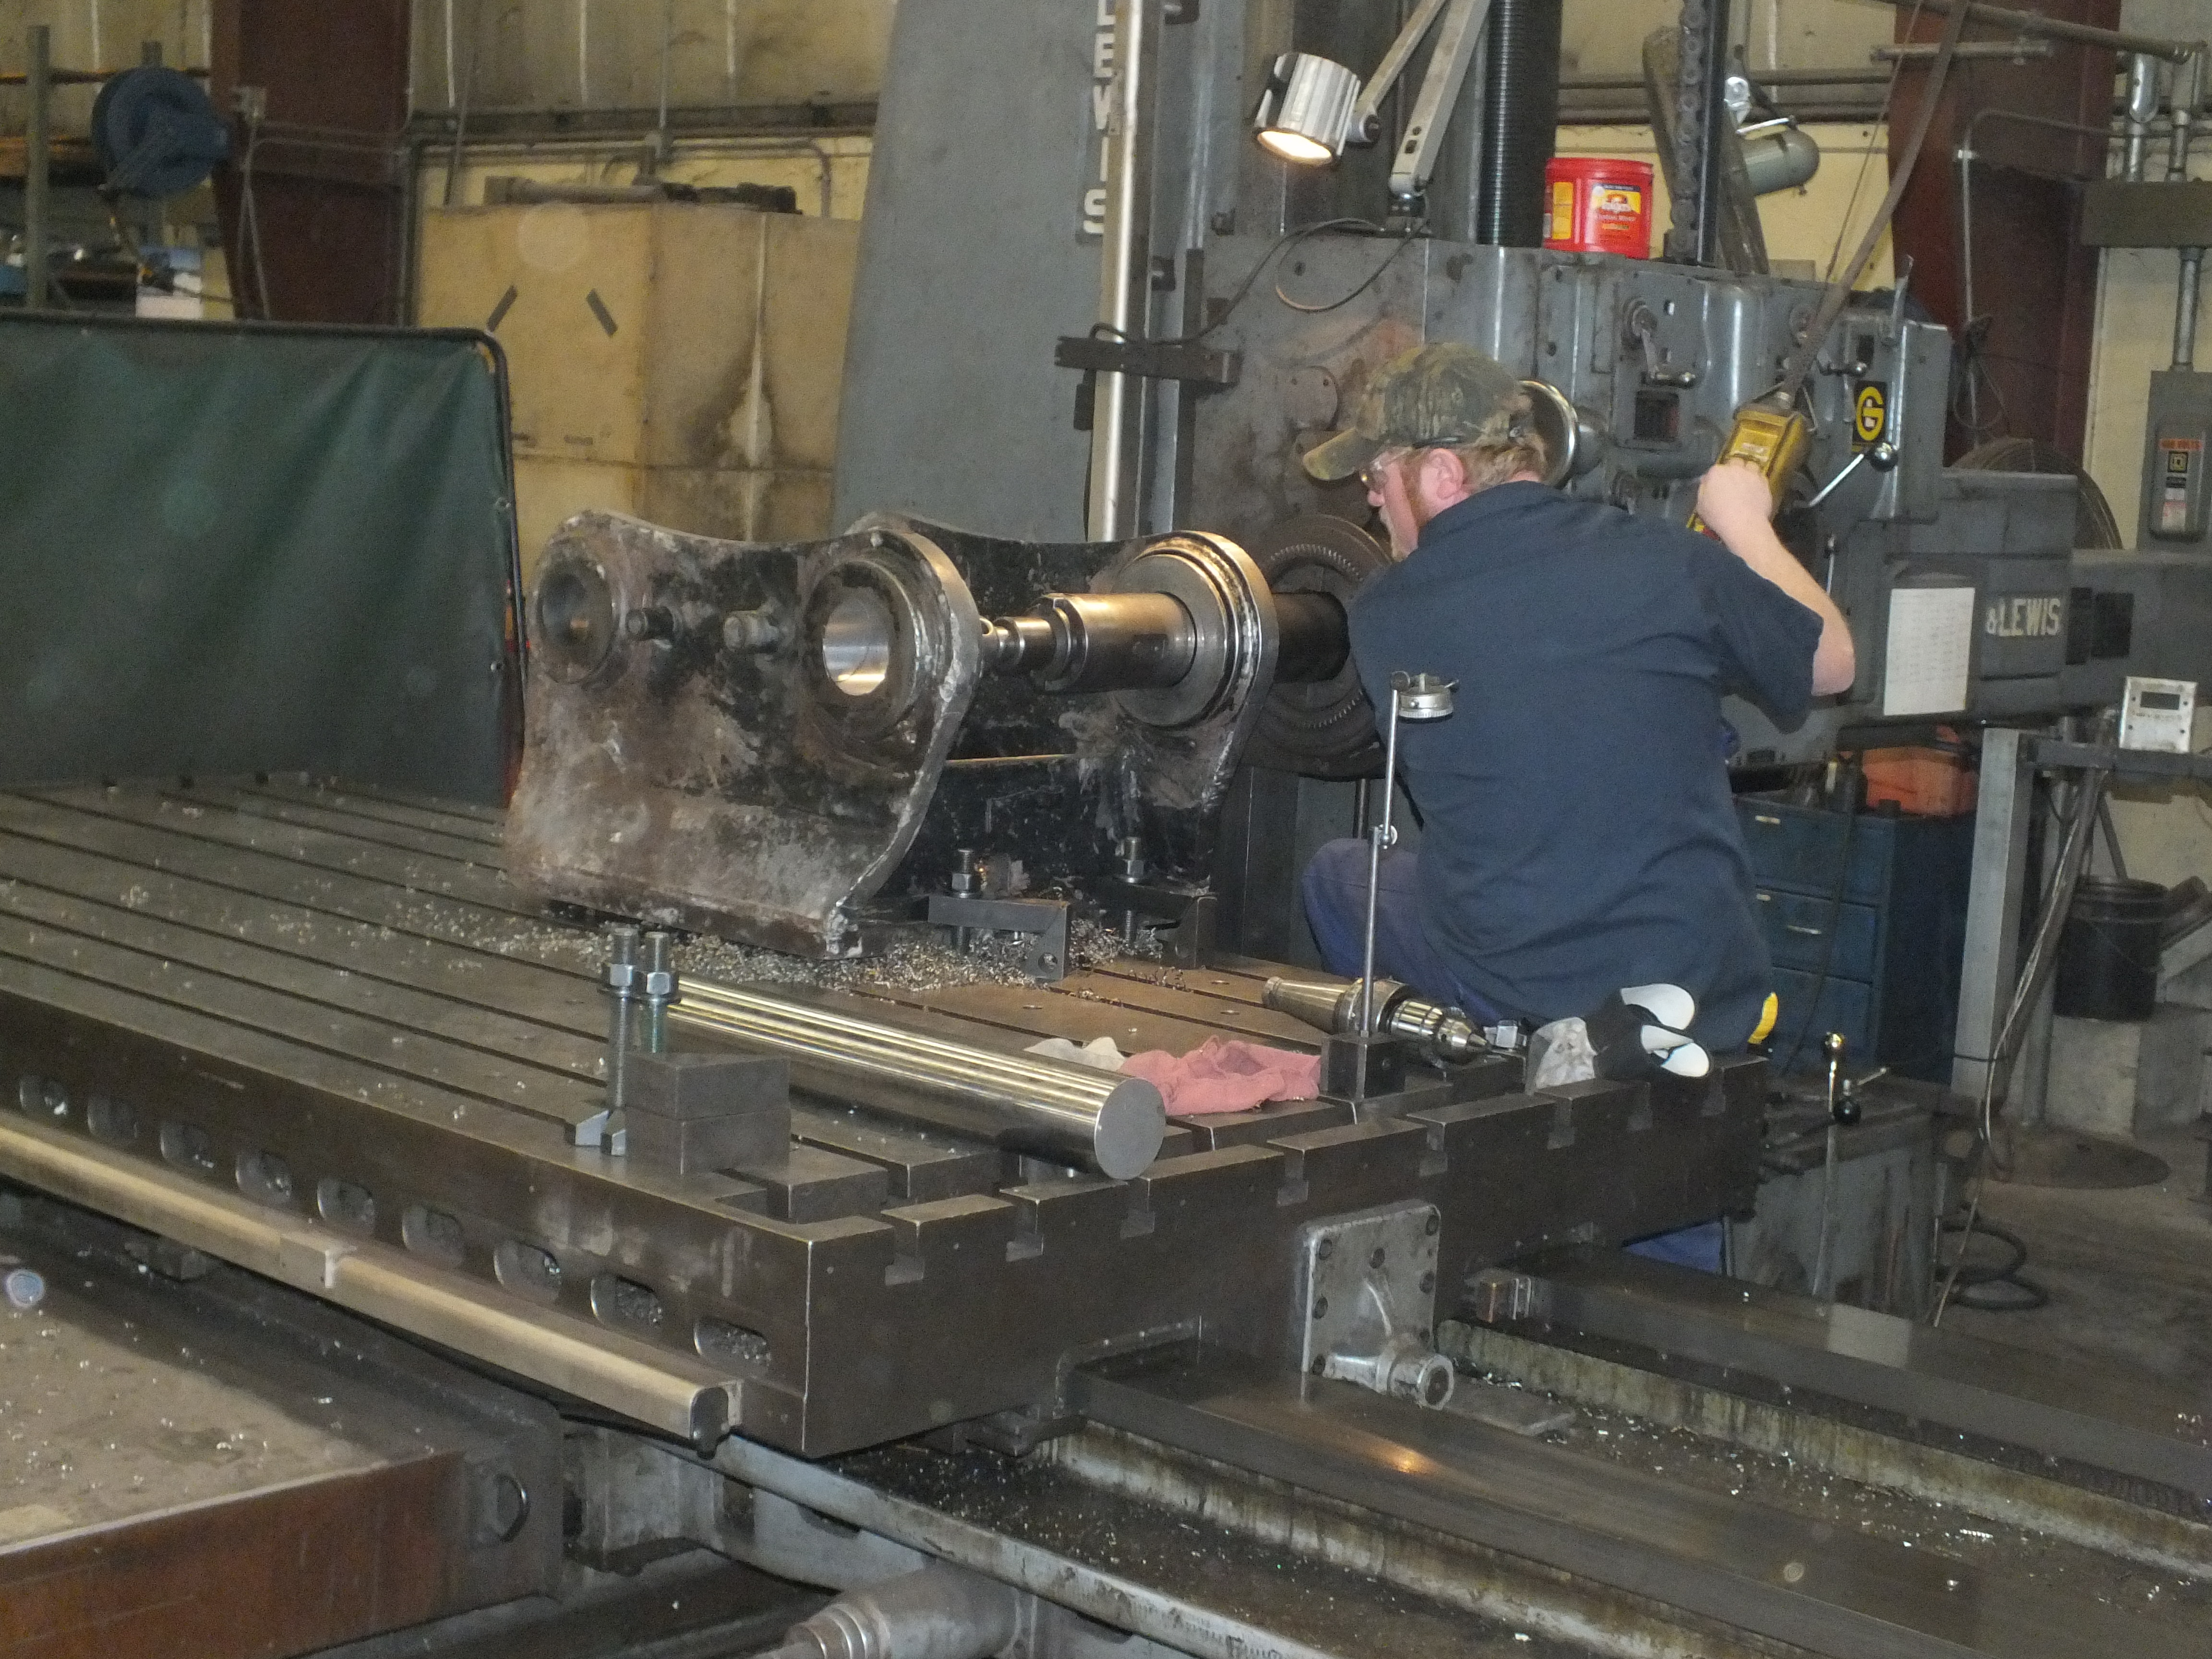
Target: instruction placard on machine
[1929, 659]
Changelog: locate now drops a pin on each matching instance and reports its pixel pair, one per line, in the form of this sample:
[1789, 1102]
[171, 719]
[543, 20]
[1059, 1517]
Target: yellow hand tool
[1769, 431]
[1773, 436]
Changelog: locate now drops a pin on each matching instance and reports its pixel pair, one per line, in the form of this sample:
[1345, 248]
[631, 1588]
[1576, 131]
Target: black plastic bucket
[2108, 950]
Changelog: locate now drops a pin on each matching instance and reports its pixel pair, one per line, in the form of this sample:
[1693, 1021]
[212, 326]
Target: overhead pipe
[2142, 105]
[2188, 92]
[2059, 29]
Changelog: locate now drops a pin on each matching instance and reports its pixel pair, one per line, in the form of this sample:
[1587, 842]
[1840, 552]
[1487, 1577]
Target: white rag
[1100, 1052]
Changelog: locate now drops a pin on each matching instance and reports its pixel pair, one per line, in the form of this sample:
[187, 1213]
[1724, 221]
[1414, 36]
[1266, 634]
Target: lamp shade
[1306, 110]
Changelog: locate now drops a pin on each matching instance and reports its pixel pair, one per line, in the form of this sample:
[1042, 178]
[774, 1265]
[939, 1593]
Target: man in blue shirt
[1579, 832]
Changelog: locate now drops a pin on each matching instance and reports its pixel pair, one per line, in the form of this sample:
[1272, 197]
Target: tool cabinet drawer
[1797, 927]
[1799, 847]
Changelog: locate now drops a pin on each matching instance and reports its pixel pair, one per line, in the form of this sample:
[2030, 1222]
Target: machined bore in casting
[857, 637]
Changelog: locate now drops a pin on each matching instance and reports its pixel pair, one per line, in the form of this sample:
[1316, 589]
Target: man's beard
[1418, 511]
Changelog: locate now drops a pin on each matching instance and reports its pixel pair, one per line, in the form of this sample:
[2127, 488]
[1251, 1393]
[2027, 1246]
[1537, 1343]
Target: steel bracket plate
[1204, 366]
[1365, 1307]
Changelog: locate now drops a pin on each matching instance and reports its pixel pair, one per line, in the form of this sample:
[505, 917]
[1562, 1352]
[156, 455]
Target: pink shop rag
[1225, 1074]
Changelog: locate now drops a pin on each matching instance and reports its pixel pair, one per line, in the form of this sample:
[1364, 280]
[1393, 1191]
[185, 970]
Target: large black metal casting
[778, 744]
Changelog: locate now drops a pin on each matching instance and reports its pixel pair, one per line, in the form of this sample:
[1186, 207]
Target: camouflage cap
[1437, 394]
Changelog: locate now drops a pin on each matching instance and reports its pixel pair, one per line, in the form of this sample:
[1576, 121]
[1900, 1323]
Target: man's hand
[1735, 504]
[1732, 494]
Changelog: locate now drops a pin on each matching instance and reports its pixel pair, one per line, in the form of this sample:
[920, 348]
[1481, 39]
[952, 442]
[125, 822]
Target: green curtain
[226, 549]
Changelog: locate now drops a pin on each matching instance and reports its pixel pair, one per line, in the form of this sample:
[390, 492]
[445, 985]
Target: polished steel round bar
[1050, 1109]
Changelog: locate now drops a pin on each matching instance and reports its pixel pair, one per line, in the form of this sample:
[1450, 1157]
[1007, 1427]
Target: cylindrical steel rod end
[1133, 1121]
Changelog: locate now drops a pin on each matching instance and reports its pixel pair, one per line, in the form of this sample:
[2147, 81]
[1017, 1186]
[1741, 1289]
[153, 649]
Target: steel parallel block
[691, 1114]
[702, 1085]
[1354, 1067]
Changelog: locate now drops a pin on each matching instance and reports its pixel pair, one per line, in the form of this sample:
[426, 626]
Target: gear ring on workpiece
[1325, 729]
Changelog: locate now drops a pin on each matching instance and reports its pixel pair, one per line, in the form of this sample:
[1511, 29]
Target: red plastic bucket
[1598, 205]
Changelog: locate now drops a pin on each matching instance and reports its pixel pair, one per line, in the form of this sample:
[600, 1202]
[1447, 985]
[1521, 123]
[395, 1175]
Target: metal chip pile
[914, 961]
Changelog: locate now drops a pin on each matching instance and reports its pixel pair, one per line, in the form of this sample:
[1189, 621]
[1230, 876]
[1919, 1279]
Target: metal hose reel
[156, 133]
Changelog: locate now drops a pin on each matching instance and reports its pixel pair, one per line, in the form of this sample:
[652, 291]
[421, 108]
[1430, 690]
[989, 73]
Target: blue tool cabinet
[1899, 917]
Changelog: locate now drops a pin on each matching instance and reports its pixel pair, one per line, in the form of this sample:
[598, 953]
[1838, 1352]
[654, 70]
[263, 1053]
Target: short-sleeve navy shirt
[1579, 834]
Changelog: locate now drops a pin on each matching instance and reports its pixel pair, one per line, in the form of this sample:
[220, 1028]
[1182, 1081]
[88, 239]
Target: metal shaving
[915, 961]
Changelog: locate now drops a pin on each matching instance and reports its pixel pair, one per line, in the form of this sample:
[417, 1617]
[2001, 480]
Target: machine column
[1993, 901]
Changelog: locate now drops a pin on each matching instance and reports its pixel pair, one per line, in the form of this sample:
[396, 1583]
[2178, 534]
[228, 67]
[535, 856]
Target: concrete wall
[1801, 225]
[2165, 834]
[677, 362]
[2135, 308]
[1606, 37]
[607, 54]
[102, 35]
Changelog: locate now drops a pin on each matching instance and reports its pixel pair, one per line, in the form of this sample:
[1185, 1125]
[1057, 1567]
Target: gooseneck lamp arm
[1313, 106]
[1367, 115]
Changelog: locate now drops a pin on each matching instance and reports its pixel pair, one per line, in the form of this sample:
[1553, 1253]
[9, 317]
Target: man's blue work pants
[1335, 893]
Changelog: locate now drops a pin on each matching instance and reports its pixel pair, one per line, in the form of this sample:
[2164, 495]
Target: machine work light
[1305, 112]
[1313, 106]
